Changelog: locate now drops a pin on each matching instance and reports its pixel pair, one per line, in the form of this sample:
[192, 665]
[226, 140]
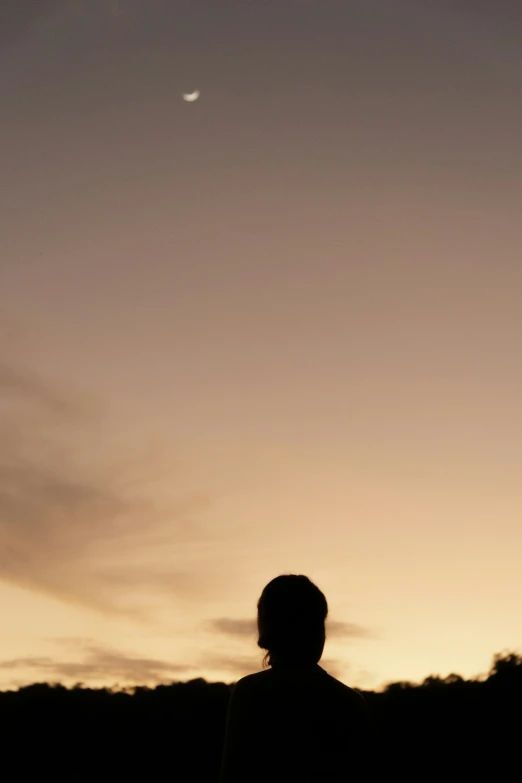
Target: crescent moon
[191, 96]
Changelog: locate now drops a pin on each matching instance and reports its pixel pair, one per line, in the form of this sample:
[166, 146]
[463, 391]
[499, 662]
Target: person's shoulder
[252, 681]
[343, 691]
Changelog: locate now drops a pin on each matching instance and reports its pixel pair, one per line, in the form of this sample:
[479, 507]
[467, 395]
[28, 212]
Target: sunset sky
[276, 330]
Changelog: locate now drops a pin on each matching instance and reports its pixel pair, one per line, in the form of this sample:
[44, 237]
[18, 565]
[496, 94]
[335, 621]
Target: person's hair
[291, 615]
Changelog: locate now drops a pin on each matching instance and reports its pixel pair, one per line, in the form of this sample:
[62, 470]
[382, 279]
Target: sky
[275, 330]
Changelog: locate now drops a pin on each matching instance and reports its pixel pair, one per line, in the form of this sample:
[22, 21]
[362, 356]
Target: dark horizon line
[500, 661]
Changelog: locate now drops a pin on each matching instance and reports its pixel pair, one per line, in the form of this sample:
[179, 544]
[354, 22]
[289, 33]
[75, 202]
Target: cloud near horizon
[245, 628]
[98, 663]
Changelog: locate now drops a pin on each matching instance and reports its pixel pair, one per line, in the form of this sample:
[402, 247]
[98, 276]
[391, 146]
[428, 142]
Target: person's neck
[289, 664]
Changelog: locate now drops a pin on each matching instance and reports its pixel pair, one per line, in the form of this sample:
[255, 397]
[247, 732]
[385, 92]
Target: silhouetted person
[293, 721]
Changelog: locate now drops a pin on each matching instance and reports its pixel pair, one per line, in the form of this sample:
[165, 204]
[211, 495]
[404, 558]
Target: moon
[191, 96]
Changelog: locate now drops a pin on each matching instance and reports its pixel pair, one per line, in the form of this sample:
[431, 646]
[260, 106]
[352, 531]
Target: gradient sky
[275, 330]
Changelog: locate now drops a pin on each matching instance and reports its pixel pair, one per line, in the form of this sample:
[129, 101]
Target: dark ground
[450, 729]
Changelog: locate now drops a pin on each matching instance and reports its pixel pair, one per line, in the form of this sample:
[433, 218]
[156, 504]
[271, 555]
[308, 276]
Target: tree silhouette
[448, 727]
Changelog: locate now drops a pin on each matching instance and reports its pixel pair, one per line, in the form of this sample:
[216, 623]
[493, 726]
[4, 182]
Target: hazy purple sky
[274, 330]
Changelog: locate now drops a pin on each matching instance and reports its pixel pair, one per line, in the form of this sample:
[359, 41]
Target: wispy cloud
[248, 627]
[99, 663]
[233, 627]
[341, 629]
[75, 524]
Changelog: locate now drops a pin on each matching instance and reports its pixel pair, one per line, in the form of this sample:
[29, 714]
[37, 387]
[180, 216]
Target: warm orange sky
[275, 330]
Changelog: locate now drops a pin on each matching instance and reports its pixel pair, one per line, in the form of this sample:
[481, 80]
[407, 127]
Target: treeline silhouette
[451, 727]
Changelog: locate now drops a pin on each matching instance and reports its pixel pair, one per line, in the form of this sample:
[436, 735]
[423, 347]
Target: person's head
[291, 615]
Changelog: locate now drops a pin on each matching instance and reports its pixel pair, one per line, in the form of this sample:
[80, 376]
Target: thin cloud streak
[232, 627]
[338, 628]
[100, 663]
[245, 628]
